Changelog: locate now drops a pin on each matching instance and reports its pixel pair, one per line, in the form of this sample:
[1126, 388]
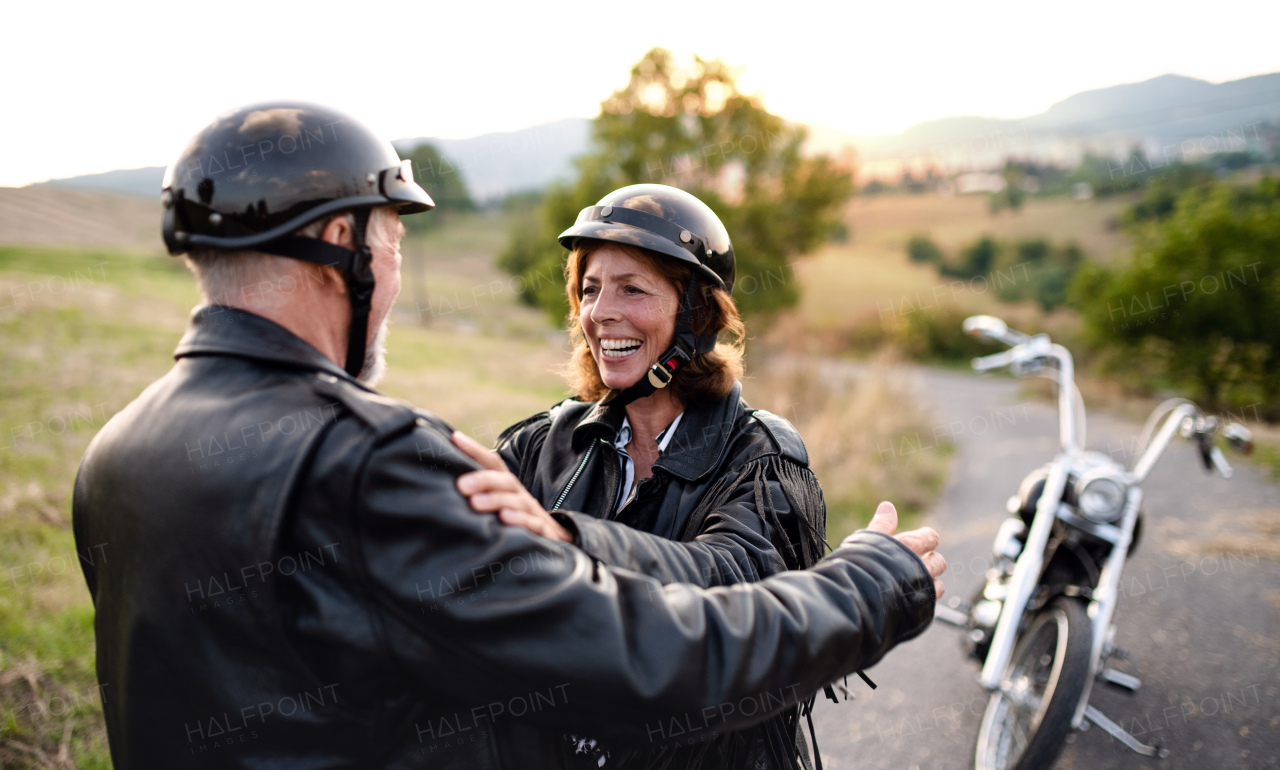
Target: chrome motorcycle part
[995, 592]
[1239, 437]
[1119, 679]
[951, 616]
[1106, 595]
[1008, 542]
[1025, 575]
[992, 328]
[1100, 494]
[1122, 735]
[986, 612]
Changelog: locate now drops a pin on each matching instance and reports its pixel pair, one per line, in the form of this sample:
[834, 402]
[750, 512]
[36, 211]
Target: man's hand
[497, 489]
[923, 541]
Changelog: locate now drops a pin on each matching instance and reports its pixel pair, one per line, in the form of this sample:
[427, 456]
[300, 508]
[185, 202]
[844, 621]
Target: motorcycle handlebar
[993, 361]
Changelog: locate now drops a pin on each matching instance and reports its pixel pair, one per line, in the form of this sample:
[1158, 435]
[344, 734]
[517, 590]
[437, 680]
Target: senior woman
[658, 465]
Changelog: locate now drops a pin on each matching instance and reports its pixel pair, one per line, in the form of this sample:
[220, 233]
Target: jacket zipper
[574, 478]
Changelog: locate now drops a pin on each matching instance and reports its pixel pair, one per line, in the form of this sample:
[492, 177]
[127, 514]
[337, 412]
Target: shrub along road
[1200, 607]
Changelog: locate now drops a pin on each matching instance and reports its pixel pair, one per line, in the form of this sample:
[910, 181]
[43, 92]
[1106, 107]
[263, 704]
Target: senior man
[292, 579]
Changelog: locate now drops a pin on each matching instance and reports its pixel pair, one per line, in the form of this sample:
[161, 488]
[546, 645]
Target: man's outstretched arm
[484, 612]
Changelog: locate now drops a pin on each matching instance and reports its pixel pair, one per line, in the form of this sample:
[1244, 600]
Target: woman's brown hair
[707, 377]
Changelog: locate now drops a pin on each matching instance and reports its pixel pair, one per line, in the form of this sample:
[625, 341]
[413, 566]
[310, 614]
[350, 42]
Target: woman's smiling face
[628, 314]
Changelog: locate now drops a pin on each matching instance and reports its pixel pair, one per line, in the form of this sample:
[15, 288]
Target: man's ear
[340, 232]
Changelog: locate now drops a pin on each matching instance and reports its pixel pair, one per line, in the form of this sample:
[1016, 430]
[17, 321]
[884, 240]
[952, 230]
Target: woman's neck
[648, 417]
[651, 415]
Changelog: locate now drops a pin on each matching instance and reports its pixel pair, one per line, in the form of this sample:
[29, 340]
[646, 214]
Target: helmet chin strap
[684, 348]
[356, 267]
[360, 289]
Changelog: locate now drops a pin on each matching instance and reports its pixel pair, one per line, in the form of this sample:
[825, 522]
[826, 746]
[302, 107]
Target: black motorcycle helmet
[663, 219]
[257, 174]
[669, 222]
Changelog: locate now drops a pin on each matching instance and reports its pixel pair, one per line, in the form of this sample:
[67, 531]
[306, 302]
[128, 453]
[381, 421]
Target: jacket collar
[700, 440]
[226, 331]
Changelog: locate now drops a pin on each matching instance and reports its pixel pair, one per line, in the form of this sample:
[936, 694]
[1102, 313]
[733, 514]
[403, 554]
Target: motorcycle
[1041, 627]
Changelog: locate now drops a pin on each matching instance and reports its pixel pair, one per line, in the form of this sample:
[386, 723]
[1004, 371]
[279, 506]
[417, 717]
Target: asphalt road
[1200, 610]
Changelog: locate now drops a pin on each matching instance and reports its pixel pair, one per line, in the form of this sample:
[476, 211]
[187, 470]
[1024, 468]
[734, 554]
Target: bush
[937, 334]
[922, 249]
[1046, 272]
[1200, 297]
[975, 260]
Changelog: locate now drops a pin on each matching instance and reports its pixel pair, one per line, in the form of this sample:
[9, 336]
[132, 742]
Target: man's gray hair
[230, 277]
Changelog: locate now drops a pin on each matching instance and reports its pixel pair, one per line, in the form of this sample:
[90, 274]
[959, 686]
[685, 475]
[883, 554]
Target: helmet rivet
[372, 178]
[180, 236]
[606, 211]
[166, 198]
[686, 236]
[215, 219]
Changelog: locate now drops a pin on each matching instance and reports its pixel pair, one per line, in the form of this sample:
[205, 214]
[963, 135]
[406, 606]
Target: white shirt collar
[628, 467]
[664, 438]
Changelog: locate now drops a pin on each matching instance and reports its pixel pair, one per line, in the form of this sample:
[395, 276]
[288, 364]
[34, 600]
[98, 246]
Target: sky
[90, 87]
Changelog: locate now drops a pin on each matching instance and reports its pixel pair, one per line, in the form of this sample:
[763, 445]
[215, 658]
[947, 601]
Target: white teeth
[619, 348]
[619, 344]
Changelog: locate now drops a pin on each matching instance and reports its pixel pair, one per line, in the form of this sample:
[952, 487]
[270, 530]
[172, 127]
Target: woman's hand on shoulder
[497, 490]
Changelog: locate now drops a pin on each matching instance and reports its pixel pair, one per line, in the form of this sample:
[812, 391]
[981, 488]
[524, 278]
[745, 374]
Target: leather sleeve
[732, 544]
[482, 613]
[520, 446]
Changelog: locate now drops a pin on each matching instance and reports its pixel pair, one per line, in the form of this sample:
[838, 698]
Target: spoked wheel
[1029, 717]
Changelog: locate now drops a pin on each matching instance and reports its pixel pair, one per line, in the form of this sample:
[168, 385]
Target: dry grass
[888, 221]
[863, 430]
[43, 717]
[50, 216]
[857, 294]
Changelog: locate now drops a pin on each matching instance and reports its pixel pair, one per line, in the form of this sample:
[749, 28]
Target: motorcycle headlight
[1100, 496]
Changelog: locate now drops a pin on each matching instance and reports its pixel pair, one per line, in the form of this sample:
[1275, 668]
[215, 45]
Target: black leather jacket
[731, 500]
[285, 576]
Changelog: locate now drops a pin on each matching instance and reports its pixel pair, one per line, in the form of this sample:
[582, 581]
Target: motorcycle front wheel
[1028, 719]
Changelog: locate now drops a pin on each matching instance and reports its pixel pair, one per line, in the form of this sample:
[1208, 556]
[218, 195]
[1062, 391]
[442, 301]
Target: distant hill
[496, 165]
[139, 182]
[1159, 112]
[1167, 109]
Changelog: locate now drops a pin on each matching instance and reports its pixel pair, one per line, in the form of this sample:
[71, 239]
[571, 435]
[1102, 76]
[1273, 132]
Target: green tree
[1200, 300]
[443, 182]
[693, 129]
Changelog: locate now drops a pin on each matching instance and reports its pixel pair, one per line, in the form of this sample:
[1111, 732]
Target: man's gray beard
[375, 357]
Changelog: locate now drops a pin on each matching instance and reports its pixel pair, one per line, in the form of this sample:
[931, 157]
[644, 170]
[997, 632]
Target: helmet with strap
[255, 175]
[674, 224]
